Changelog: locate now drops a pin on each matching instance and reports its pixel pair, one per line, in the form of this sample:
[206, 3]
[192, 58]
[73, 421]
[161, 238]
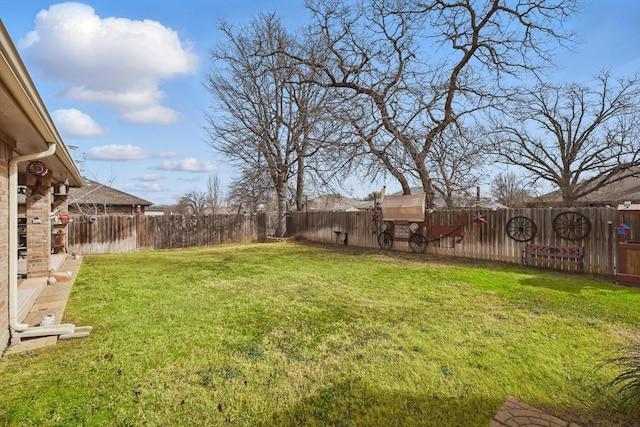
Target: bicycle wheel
[571, 225]
[385, 240]
[521, 228]
[418, 243]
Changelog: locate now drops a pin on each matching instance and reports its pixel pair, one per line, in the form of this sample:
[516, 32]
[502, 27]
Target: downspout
[13, 233]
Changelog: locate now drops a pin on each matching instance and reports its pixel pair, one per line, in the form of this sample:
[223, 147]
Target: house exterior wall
[59, 237]
[4, 245]
[26, 128]
[38, 227]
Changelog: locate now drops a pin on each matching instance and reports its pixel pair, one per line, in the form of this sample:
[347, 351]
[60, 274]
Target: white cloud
[152, 177]
[126, 98]
[187, 165]
[76, 124]
[111, 61]
[155, 114]
[153, 187]
[117, 152]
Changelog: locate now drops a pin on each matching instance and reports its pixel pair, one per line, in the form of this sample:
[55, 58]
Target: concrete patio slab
[52, 300]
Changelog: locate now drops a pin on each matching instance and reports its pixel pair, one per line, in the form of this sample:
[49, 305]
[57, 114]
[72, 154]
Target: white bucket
[48, 320]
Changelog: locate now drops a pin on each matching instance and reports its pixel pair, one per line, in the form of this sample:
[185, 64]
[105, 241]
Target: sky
[124, 81]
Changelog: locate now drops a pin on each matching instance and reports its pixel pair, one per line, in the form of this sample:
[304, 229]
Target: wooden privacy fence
[109, 234]
[485, 234]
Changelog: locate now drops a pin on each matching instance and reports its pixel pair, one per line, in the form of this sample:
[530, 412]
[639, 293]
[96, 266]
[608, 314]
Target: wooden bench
[568, 254]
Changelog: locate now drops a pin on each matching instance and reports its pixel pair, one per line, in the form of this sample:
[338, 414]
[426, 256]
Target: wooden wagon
[404, 218]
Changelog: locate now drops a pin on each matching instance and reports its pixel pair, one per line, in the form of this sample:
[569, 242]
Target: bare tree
[250, 190]
[456, 162]
[315, 131]
[193, 202]
[265, 116]
[510, 190]
[420, 67]
[214, 193]
[249, 96]
[576, 137]
[374, 195]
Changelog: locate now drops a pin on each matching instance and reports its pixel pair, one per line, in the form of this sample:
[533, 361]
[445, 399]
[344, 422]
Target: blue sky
[123, 80]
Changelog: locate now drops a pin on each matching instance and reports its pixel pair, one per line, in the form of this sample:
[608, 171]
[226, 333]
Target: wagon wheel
[571, 225]
[521, 228]
[385, 240]
[418, 243]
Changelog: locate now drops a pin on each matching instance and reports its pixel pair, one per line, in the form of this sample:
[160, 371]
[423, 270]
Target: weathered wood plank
[110, 234]
[482, 240]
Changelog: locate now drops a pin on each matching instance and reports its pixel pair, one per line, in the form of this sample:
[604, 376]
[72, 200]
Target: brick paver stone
[516, 413]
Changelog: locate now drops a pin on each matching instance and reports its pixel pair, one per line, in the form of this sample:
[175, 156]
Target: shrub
[627, 382]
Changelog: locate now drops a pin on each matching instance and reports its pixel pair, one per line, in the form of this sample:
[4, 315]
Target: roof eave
[15, 76]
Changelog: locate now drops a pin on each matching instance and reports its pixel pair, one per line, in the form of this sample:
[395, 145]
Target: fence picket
[488, 240]
[109, 234]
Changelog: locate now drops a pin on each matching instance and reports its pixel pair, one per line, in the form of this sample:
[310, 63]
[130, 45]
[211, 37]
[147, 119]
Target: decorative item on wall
[193, 223]
[521, 228]
[37, 168]
[478, 218]
[571, 226]
[623, 229]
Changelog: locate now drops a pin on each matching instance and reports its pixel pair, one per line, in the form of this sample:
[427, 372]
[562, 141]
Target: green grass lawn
[288, 335]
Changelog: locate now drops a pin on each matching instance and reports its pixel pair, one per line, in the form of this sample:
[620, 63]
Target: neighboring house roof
[334, 203]
[95, 193]
[461, 202]
[367, 205]
[485, 203]
[613, 194]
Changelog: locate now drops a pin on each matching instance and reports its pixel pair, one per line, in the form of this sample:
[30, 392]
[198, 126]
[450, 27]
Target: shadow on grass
[352, 403]
[557, 280]
[573, 283]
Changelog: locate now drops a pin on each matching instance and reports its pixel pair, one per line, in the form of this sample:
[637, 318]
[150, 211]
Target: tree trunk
[300, 184]
[281, 222]
[568, 196]
[427, 186]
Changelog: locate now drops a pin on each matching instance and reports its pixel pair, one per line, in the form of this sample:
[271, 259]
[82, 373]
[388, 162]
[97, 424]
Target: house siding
[38, 227]
[4, 245]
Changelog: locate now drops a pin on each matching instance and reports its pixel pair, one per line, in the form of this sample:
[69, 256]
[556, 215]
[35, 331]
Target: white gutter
[13, 233]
